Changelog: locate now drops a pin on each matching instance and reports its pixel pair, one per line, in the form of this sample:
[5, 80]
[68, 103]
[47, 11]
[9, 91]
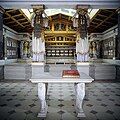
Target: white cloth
[38, 48]
[82, 47]
[75, 22]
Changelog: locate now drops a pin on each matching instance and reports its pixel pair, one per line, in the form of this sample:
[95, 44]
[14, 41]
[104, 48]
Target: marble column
[5, 46]
[1, 34]
[1, 43]
[118, 39]
[38, 44]
[118, 48]
[82, 45]
[21, 48]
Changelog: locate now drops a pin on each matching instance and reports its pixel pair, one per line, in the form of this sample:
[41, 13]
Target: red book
[70, 74]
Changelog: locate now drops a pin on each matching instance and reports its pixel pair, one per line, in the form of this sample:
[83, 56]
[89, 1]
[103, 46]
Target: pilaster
[118, 38]
[5, 46]
[1, 34]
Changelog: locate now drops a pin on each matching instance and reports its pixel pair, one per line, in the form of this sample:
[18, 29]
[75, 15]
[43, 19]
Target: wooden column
[67, 27]
[52, 27]
[1, 34]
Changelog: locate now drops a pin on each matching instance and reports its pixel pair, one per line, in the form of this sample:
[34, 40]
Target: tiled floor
[19, 101]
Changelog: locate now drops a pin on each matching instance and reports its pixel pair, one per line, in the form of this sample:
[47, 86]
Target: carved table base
[41, 95]
[79, 93]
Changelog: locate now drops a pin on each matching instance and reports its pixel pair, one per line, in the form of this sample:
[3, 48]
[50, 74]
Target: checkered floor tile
[19, 101]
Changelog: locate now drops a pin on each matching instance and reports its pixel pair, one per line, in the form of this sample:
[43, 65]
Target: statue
[25, 49]
[90, 50]
[94, 51]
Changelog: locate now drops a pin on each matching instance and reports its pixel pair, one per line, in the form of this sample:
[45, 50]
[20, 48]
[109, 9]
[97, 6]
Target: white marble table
[52, 77]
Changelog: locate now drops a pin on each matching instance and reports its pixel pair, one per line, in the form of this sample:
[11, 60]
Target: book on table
[70, 74]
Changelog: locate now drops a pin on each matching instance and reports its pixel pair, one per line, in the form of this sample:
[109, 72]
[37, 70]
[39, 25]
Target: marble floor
[19, 101]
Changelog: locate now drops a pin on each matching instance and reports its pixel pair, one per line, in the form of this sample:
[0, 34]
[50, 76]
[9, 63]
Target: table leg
[41, 95]
[80, 94]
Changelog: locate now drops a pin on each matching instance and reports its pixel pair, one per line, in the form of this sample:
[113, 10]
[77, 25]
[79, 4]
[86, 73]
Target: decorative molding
[112, 32]
[118, 10]
[8, 32]
[38, 6]
[95, 4]
[2, 10]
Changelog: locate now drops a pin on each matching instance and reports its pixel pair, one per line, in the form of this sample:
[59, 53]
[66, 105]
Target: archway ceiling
[102, 20]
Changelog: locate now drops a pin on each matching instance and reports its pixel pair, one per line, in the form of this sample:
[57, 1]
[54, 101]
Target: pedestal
[79, 93]
[17, 71]
[37, 69]
[83, 67]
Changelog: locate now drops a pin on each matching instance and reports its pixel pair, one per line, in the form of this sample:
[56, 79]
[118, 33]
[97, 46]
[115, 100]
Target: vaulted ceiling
[103, 20]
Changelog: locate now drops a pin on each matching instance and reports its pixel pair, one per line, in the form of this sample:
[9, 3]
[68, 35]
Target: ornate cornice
[38, 7]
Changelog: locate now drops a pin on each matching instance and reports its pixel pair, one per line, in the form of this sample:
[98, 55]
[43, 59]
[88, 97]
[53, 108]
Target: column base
[43, 113]
[82, 114]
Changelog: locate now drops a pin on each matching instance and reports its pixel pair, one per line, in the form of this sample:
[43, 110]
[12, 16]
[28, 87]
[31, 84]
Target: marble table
[56, 77]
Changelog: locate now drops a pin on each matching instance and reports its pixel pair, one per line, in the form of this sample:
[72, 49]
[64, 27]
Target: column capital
[38, 8]
[38, 19]
[2, 10]
[82, 8]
